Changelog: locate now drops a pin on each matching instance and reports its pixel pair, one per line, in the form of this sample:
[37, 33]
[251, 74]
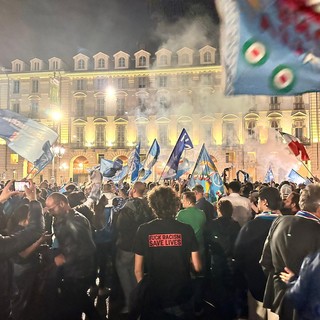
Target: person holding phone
[12, 244]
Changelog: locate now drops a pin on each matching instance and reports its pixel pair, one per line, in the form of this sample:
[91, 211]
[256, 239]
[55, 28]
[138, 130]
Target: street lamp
[58, 151]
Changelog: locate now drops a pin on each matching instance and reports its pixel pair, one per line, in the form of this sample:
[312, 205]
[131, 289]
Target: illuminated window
[142, 134]
[14, 158]
[79, 108]
[79, 130]
[100, 135]
[120, 106]
[100, 107]
[121, 135]
[163, 134]
[275, 124]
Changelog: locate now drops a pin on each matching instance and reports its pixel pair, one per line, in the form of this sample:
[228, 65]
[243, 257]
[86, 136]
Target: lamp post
[58, 151]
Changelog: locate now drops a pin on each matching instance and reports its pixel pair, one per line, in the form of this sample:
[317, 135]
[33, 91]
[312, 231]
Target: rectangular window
[16, 86]
[99, 157]
[79, 136]
[14, 158]
[163, 81]
[163, 134]
[142, 82]
[184, 80]
[34, 109]
[35, 86]
[100, 136]
[80, 84]
[79, 108]
[16, 107]
[207, 79]
[142, 135]
[120, 106]
[230, 157]
[101, 84]
[121, 83]
[121, 135]
[100, 107]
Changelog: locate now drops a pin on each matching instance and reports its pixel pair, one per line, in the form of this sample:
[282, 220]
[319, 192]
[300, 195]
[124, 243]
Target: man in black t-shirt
[166, 247]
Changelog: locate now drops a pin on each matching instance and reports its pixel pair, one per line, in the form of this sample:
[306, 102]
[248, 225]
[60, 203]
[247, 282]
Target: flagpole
[197, 162]
[169, 157]
[307, 169]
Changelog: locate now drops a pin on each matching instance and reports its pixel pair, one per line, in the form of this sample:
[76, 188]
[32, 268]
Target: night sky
[63, 28]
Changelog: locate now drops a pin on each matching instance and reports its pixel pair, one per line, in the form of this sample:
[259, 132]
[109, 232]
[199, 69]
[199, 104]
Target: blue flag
[295, 177]
[28, 138]
[110, 168]
[269, 176]
[134, 164]
[206, 174]
[270, 47]
[184, 143]
[151, 159]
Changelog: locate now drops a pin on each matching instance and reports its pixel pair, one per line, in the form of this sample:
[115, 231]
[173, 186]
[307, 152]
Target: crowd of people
[160, 251]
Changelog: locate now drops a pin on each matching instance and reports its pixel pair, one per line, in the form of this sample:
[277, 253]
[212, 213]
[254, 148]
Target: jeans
[125, 270]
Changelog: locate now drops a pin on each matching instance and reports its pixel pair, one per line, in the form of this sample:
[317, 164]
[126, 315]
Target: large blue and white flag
[269, 177]
[270, 47]
[151, 159]
[205, 173]
[134, 164]
[183, 143]
[295, 177]
[28, 138]
[109, 168]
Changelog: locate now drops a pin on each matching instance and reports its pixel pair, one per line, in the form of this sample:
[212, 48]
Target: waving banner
[270, 47]
[151, 159]
[28, 138]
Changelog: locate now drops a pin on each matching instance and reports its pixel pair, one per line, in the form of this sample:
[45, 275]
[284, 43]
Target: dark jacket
[207, 208]
[248, 250]
[73, 233]
[10, 246]
[305, 291]
[290, 240]
[135, 212]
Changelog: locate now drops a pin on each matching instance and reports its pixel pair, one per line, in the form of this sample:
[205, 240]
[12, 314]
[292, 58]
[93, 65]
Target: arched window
[163, 60]
[274, 124]
[101, 63]
[81, 64]
[121, 62]
[185, 58]
[142, 61]
[207, 57]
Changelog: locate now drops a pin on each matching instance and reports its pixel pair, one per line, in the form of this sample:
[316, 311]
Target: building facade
[102, 106]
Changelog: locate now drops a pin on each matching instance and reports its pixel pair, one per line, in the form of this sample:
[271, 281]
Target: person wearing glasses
[75, 258]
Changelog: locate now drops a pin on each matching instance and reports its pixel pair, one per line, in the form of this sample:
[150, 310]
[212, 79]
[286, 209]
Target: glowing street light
[58, 151]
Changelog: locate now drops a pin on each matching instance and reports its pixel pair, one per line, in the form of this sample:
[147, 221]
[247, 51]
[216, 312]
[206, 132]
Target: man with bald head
[74, 256]
[135, 212]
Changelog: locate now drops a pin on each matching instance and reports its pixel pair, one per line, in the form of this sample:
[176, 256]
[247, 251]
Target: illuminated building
[107, 103]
